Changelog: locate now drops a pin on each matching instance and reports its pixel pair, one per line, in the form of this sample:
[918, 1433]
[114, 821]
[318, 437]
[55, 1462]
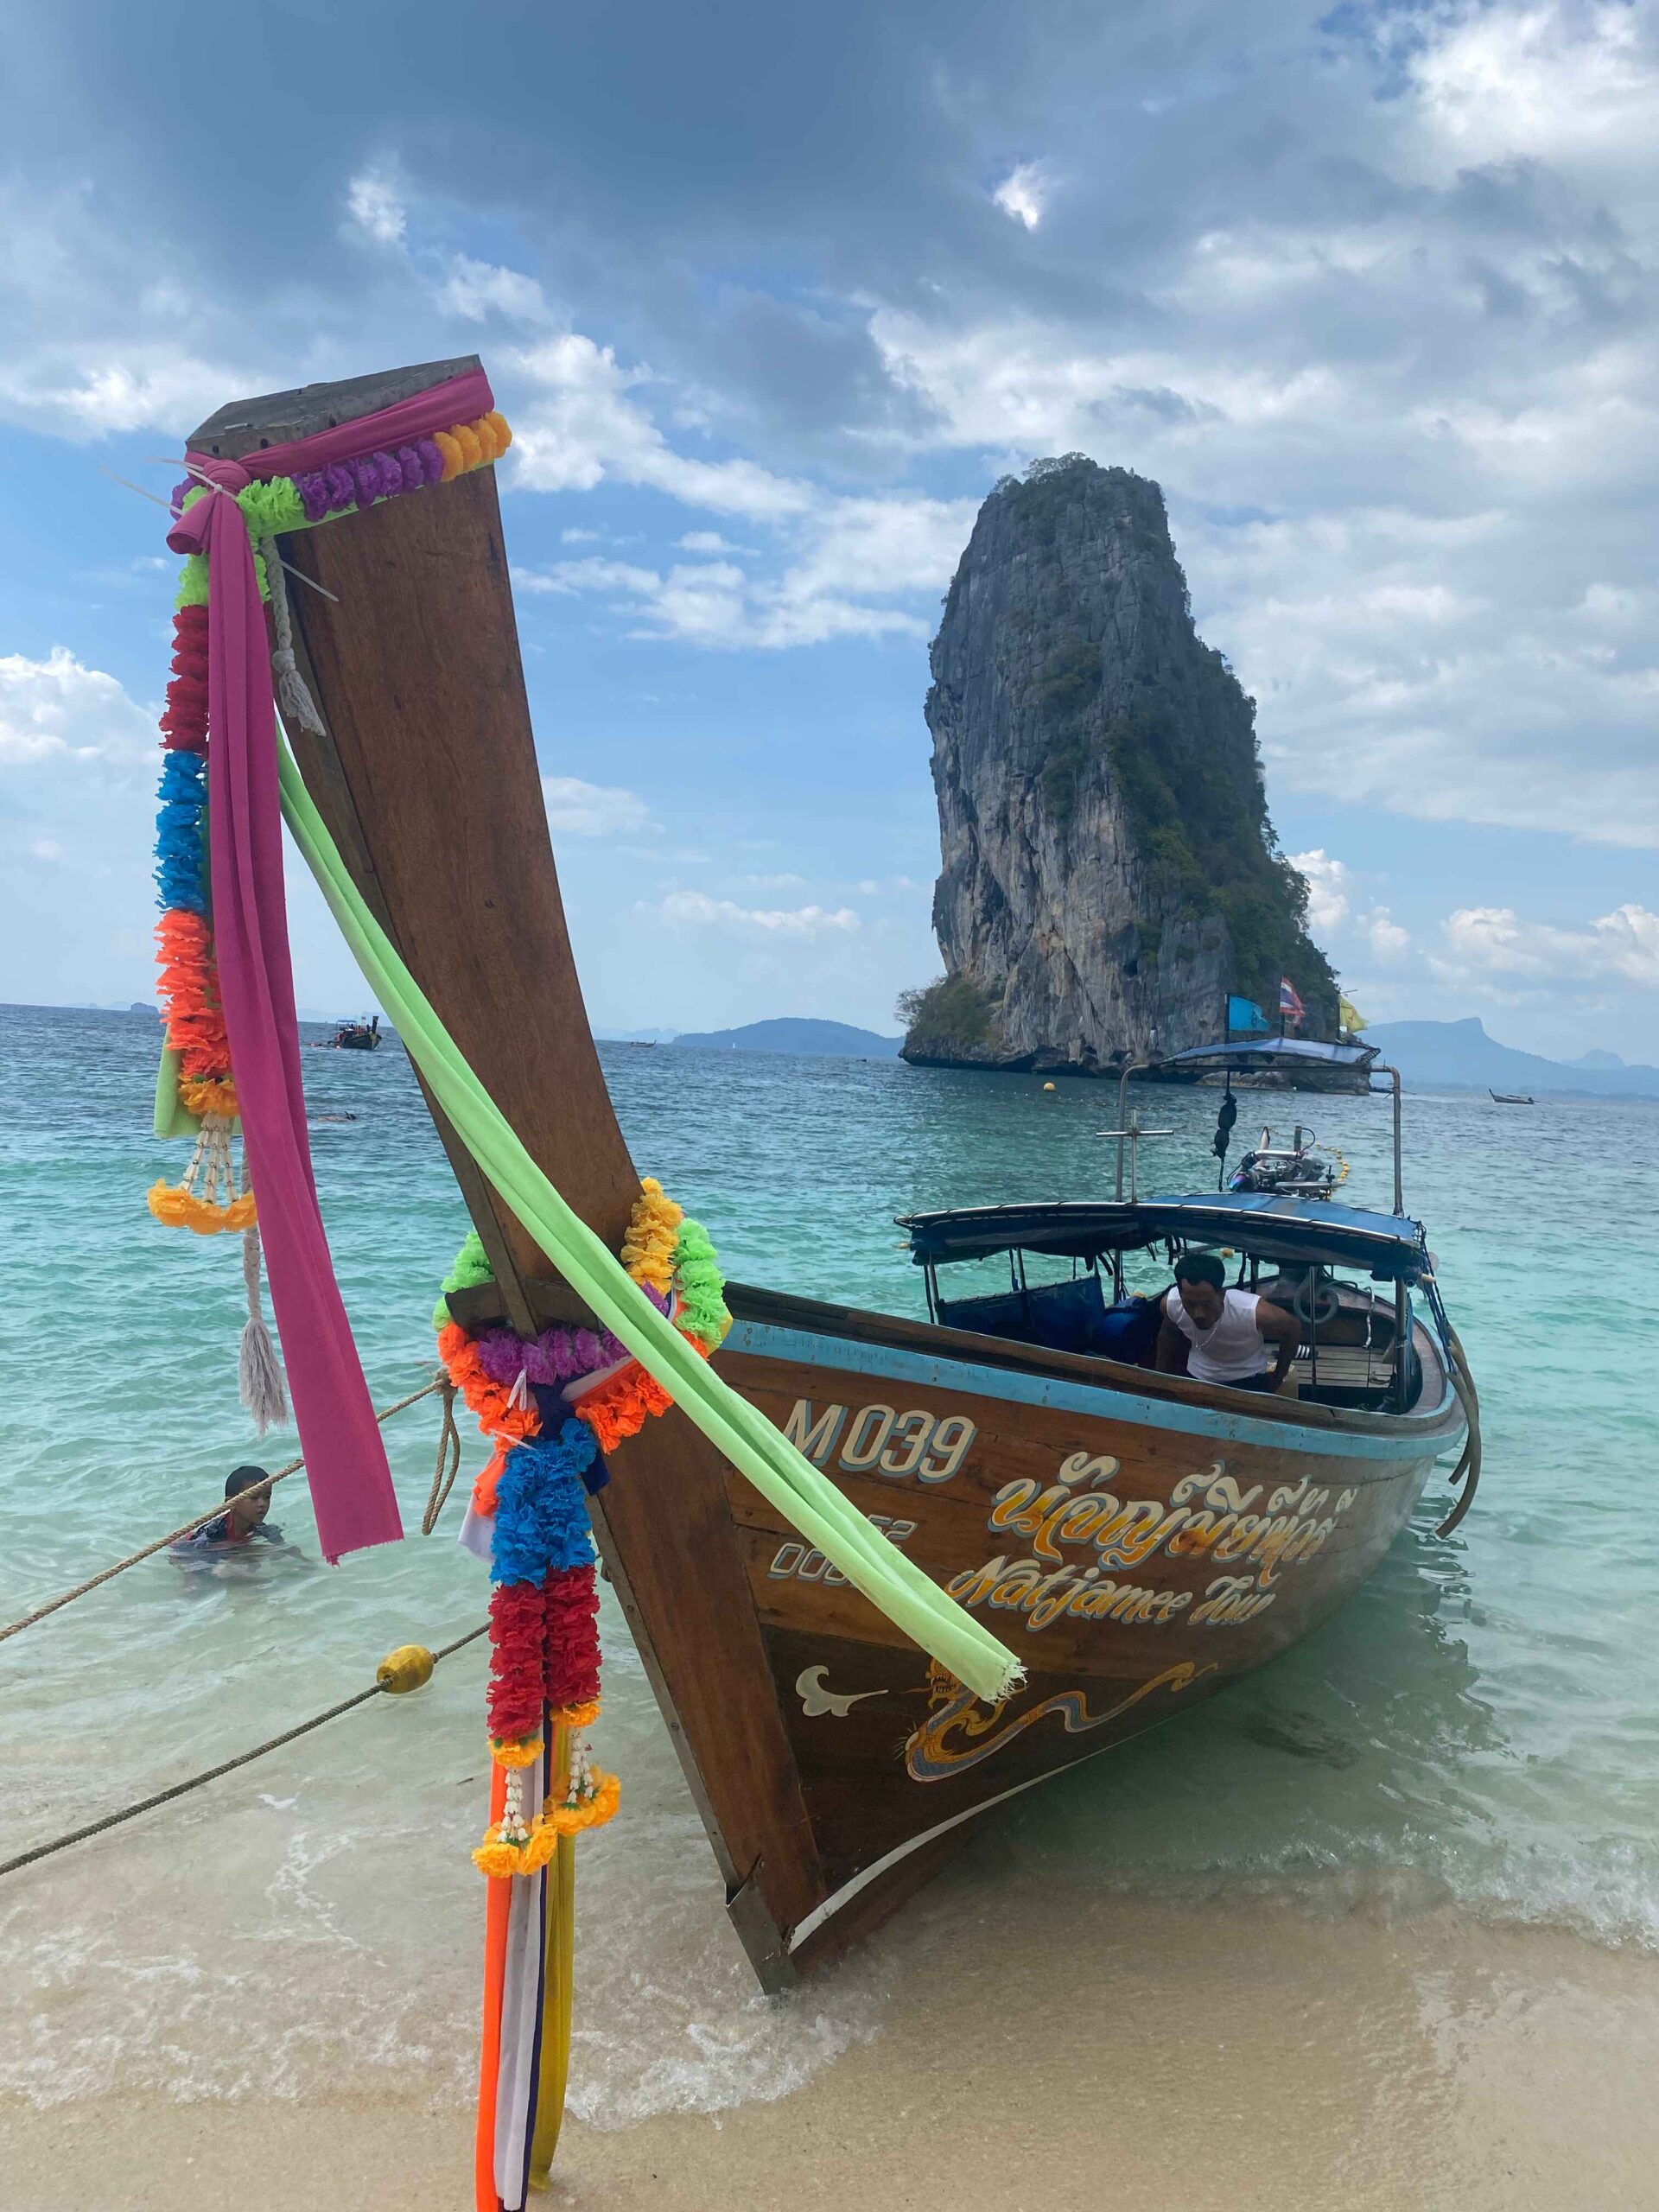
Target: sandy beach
[1229, 2054]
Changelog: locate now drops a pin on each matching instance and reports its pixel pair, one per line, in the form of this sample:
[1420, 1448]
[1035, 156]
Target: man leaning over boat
[1217, 1335]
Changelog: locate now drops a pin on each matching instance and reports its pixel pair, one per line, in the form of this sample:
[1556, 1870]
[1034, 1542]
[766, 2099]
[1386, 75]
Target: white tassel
[264, 1391]
[298, 708]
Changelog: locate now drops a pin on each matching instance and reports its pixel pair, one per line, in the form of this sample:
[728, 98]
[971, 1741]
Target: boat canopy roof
[1268, 1052]
[1265, 1223]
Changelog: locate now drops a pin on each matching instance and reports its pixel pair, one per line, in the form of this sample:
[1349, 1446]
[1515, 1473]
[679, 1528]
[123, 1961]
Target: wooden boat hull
[1137, 1551]
[1138, 1540]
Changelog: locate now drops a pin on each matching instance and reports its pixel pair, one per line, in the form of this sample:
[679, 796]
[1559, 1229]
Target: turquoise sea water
[1479, 1726]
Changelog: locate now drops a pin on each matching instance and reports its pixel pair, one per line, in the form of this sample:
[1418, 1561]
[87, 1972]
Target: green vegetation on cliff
[946, 1016]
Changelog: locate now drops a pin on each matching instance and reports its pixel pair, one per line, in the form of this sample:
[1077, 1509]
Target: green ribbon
[807, 1499]
[173, 1117]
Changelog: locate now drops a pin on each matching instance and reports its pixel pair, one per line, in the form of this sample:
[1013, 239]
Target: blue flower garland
[541, 1509]
[181, 881]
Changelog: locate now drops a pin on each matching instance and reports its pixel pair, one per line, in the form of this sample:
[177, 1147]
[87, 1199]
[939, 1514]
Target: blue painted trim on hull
[766, 1341]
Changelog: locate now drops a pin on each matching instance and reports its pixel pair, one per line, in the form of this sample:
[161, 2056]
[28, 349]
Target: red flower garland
[570, 1653]
[517, 1663]
[184, 725]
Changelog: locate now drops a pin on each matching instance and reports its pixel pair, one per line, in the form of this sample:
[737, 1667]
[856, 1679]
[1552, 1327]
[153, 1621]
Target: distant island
[1460, 1056]
[837, 1041]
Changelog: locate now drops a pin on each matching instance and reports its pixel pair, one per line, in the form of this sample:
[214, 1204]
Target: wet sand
[1071, 2048]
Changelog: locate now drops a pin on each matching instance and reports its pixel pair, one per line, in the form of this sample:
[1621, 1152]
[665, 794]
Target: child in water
[247, 1491]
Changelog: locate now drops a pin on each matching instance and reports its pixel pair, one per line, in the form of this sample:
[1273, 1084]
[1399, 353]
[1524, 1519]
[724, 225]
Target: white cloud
[1388, 940]
[898, 544]
[46, 848]
[587, 422]
[694, 910]
[1024, 194]
[717, 605]
[578, 538]
[1439, 667]
[579, 427]
[60, 707]
[374, 201]
[100, 331]
[1327, 888]
[1495, 941]
[591, 572]
[1549, 81]
[580, 809]
[475, 290]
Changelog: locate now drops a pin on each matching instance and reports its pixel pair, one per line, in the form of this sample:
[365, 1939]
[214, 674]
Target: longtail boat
[1139, 1539]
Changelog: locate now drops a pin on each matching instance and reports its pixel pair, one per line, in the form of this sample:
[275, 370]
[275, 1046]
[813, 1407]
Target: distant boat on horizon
[1510, 1098]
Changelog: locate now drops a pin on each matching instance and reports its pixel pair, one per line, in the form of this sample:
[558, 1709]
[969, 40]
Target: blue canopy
[1306, 1232]
[1263, 1051]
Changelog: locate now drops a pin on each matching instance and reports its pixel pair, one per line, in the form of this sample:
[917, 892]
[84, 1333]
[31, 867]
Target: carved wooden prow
[427, 780]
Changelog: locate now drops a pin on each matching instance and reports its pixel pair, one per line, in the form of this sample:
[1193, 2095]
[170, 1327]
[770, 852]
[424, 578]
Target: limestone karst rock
[1109, 872]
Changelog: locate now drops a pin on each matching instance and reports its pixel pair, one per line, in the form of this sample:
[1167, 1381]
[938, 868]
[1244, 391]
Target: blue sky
[772, 297]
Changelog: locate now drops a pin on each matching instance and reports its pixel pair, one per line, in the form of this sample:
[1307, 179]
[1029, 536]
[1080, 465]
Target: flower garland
[206, 1199]
[184, 725]
[282, 505]
[551, 1408]
[197, 1084]
[187, 980]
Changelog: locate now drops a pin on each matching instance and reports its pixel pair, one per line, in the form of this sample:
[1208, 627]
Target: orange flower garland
[190, 1008]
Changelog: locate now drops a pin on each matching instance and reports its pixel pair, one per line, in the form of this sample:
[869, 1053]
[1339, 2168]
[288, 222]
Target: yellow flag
[1352, 1020]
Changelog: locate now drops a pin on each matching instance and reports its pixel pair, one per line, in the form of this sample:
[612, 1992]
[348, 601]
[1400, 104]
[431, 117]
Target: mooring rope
[226, 1766]
[448, 1466]
[177, 1535]
[1467, 1471]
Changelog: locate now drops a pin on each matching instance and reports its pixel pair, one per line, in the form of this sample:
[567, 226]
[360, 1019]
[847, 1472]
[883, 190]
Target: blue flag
[1245, 1015]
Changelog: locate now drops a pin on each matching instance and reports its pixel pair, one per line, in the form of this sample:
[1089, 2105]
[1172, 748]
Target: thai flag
[1291, 1008]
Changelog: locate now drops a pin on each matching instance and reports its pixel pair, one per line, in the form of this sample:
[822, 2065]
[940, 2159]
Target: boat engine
[1298, 1169]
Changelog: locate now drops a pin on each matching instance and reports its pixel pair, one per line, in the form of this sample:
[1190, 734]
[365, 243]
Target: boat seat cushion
[1062, 1316]
[1129, 1331]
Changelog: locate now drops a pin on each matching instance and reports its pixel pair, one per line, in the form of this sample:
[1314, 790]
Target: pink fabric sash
[345, 1454]
[458, 399]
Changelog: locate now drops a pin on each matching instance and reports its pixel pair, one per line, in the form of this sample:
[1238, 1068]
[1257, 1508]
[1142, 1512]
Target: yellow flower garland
[181, 1209]
[648, 1248]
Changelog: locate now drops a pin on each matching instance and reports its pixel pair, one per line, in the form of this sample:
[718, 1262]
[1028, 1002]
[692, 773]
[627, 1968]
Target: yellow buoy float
[408, 1667]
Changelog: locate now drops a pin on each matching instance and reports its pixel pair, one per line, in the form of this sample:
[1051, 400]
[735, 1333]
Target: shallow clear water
[1480, 1724]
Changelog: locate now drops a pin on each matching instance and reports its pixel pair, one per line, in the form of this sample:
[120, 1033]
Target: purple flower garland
[556, 1356]
[367, 477]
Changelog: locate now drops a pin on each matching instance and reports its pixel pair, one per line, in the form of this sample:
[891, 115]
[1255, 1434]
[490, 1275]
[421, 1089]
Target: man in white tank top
[1217, 1335]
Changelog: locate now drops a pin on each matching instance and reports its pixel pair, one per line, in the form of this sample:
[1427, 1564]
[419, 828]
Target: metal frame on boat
[1140, 1539]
